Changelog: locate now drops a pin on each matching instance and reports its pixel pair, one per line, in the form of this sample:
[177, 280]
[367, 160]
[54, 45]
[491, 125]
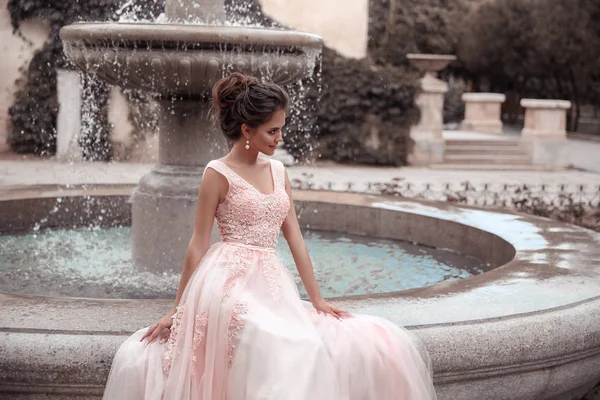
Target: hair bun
[240, 99]
[232, 89]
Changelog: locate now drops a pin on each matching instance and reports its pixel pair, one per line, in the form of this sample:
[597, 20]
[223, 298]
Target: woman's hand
[324, 307]
[155, 330]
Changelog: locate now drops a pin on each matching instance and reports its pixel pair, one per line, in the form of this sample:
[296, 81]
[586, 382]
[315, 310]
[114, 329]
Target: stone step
[463, 149]
[495, 143]
[487, 159]
[489, 167]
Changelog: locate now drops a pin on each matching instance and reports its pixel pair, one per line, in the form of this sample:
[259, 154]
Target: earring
[247, 145]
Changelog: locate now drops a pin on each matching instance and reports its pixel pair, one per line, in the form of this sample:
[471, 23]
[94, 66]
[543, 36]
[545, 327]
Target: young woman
[239, 330]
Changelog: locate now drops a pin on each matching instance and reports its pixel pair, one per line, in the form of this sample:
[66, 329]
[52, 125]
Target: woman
[239, 330]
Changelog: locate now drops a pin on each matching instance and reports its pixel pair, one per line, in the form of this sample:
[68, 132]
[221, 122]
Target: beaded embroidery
[235, 325]
[238, 267]
[171, 351]
[247, 215]
[199, 332]
[271, 273]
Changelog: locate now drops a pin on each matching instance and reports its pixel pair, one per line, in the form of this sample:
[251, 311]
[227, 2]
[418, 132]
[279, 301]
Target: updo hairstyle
[240, 99]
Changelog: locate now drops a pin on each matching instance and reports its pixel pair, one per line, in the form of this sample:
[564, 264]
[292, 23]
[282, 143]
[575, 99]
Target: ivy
[356, 98]
[34, 112]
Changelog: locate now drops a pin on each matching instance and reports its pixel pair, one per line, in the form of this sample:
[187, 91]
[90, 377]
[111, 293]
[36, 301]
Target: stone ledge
[545, 104]
[484, 97]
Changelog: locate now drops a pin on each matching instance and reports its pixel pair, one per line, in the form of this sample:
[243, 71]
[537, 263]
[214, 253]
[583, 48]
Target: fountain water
[179, 62]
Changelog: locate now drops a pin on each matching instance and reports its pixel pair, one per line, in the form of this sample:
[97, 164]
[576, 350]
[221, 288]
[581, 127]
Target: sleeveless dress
[241, 331]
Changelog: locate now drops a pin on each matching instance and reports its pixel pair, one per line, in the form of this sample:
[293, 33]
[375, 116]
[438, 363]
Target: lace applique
[249, 216]
[271, 273]
[239, 265]
[199, 332]
[235, 325]
[171, 351]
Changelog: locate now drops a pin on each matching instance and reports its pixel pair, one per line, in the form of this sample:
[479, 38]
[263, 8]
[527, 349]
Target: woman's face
[267, 136]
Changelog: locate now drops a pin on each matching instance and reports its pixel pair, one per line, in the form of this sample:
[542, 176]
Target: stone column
[164, 202]
[426, 143]
[545, 119]
[483, 112]
[544, 132]
[68, 123]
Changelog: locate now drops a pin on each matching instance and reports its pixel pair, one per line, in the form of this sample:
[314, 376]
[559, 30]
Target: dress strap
[278, 173]
[224, 170]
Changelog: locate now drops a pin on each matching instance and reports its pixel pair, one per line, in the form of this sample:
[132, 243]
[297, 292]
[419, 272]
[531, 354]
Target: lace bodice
[248, 215]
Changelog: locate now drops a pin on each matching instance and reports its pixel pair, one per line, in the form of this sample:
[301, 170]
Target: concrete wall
[16, 53]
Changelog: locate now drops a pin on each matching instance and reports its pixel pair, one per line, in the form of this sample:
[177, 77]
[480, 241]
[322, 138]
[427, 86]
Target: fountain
[179, 63]
[527, 330]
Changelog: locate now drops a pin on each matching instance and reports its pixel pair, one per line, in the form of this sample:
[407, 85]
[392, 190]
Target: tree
[539, 48]
[414, 26]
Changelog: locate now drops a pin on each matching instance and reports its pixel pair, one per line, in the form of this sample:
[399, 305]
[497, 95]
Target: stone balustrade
[545, 119]
[544, 131]
[482, 112]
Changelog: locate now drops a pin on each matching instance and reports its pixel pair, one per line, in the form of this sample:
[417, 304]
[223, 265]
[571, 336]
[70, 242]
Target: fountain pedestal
[426, 143]
[180, 64]
[164, 202]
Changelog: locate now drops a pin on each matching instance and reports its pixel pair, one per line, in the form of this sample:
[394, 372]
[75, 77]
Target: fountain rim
[128, 32]
[472, 355]
[431, 57]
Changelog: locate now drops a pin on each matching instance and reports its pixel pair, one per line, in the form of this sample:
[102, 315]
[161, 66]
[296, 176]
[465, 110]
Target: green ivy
[34, 112]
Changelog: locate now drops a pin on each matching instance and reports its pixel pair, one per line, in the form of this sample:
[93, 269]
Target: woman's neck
[240, 155]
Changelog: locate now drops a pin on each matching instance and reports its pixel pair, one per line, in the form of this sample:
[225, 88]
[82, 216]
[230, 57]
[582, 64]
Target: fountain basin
[528, 329]
[430, 63]
[185, 59]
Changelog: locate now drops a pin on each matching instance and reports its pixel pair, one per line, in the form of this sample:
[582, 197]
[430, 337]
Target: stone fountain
[179, 63]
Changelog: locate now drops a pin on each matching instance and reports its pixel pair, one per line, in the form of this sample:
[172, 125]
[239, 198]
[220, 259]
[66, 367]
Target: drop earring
[247, 145]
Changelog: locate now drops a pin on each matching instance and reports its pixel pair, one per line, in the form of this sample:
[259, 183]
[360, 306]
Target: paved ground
[18, 171]
[584, 155]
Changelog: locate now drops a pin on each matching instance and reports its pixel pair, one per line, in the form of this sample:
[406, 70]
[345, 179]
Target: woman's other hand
[155, 330]
[324, 307]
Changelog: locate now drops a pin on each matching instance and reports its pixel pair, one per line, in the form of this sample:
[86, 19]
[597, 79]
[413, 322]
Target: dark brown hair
[240, 99]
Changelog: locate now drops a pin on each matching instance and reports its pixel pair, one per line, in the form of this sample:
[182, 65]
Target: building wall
[341, 23]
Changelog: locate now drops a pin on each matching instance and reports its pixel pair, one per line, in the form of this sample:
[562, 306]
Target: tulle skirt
[242, 332]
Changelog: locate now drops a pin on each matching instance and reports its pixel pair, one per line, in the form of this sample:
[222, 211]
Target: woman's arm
[213, 190]
[206, 207]
[293, 235]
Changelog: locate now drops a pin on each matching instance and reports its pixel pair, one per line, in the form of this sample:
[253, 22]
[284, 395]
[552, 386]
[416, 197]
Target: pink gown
[241, 331]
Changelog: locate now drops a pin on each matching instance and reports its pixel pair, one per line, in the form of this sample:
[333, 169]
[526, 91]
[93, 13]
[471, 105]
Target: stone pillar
[121, 136]
[545, 119]
[426, 141]
[68, 123]
[482, 112]
[164, 202]
[544, 132]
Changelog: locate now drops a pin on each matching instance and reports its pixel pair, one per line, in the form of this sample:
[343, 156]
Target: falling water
[304, 93]
[95, 128]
